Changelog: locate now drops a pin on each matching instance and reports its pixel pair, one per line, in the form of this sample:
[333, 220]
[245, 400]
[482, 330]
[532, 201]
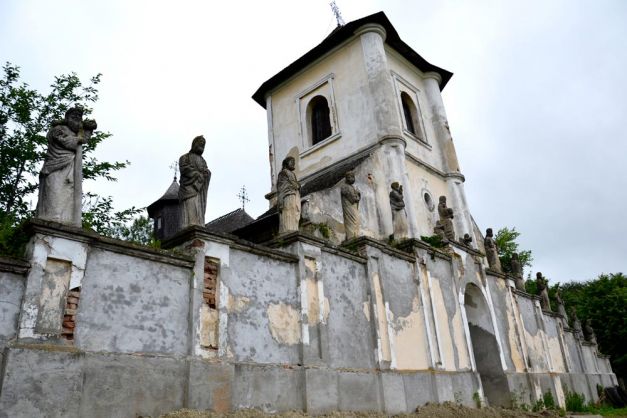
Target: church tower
[364, 100]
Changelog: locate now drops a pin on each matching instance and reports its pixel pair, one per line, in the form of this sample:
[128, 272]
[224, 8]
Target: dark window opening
[319, 119]
[409, 111]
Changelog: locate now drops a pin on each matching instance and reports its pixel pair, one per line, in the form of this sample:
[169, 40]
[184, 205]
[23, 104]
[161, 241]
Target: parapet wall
[219, 323]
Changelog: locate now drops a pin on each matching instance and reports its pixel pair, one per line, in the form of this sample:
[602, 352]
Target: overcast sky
[537, 104]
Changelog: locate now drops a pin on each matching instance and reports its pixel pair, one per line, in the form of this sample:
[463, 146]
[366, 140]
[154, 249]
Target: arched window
[319, 119]
[409, 112]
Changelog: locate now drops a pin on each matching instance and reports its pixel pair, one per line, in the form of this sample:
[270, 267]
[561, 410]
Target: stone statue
[543, 292]
[350, 206]
[194, 184]
[490, 251]
[61, 177]
[589, 332]
[576, 323]
[517, 272]
[561, 309]
[439, 231]
[446, 219]
[466, 240]
[399, 215]
[288, 197]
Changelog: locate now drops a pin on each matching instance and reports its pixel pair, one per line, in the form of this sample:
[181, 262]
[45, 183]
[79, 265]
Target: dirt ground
[446, 410]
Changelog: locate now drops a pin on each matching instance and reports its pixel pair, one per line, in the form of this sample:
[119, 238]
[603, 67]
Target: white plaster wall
[354, 111]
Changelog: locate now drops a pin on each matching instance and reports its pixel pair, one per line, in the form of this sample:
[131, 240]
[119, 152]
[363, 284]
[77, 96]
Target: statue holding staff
[61, 177]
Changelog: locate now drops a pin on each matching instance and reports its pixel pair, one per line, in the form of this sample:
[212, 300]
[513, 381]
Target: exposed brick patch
[210, 282]
[69, 317]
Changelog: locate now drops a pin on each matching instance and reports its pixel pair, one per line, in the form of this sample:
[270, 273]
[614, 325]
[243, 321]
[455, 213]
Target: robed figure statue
[350, 206]
[288, 197]
[194, 184]
[61, 177]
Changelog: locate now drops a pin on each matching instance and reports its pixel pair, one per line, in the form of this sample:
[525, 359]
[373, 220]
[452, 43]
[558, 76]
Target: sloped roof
[341, 34]
[172, 194]
[230, 222]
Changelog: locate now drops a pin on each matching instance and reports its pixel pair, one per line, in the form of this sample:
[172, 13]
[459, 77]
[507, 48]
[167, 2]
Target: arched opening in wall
[319, 119]
[485, 348]
[410, 114]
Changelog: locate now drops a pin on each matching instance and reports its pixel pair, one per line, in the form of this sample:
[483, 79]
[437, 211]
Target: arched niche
[485, 347]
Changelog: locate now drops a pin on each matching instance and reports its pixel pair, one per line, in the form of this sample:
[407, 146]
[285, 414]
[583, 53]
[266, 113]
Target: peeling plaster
[284, 323]
[409, 339]
[366, 308]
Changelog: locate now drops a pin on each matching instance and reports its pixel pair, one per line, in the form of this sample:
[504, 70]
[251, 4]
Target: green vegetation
[506, 245]
[433, 240]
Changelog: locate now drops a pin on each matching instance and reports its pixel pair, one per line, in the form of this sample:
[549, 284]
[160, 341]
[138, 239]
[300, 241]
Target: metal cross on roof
[243, 196]
[336, 12]
[175, 166]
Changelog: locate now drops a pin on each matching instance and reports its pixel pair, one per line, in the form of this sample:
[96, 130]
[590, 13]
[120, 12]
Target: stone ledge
[92, 238]
[410, 245]
[14, 265]
[496, 273]
[195, 232]
[525, 294]
[553, 314]
[298, 236]
[363, 240]
[467, 248]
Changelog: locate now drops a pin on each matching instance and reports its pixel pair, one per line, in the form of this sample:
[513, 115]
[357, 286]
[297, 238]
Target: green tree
[25, 116]
[604, 301]
[506, 245]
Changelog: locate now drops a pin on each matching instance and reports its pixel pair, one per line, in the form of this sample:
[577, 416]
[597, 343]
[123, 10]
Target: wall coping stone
[324, 245]
[467, 248]
[14, 265]
[495, 273]
[525, 294]
[588, 343]
[362, 241]
[196, 232]
[553, 314]
[92, 238]
[410, 245]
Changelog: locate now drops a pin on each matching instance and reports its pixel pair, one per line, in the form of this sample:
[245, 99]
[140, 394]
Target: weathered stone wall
[223, 324]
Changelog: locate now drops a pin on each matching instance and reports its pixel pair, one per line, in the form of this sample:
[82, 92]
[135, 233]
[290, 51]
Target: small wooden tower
[165, 213]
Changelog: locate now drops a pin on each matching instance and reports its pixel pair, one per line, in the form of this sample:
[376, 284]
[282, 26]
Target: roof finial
[243, 196]
[175, 166]
[336, 12]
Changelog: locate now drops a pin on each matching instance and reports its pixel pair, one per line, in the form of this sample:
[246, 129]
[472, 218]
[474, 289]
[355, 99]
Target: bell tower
[364, 100]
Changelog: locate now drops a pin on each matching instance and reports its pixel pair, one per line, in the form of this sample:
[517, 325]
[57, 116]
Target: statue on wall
[491, 252]
[576, 323]
[194, 184]
[399, 215]
[466, 240]
[350, 206]
[561, 309]
[517, 272]
[288, 197]
[589, 332]
[61, 177]
[543, 292]
[446, 219]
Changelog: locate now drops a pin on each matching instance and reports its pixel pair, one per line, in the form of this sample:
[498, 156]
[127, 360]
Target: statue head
[443, 200]
[198, 145]
[488, 233]
[289, 163]
[350, 177]
[74, 117]
[515, 256]
[395, 186]
[449, 213]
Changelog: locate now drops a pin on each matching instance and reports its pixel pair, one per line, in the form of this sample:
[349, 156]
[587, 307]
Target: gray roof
[172, 194]
[230, 222]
